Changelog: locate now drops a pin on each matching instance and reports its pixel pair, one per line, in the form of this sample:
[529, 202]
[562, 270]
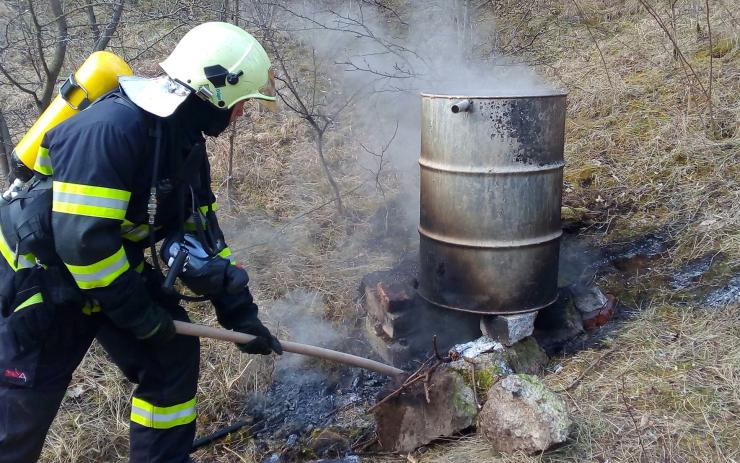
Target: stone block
[389, 300]
[508, 329]
[409, 421]
[522, 414]
[396, 352]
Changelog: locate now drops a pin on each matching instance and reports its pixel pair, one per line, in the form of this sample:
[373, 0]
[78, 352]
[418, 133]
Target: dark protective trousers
[163, 405]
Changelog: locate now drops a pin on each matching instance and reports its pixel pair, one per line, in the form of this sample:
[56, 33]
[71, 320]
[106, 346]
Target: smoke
[380, 60]
[299, 314]
[364, 67]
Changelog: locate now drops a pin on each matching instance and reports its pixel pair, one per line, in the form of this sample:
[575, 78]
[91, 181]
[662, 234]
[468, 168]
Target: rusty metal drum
[491, 187]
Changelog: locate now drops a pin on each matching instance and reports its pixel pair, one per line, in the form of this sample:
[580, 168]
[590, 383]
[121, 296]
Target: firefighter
[126, 172]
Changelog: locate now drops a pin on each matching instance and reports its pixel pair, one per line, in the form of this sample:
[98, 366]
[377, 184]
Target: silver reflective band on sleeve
[90, 200]
[102, 273]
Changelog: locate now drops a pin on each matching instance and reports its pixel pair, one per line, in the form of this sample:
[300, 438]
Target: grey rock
[476, 347]
[587, 298]
[408, 420]
[522, 414]
[508, 329]
[527, 356]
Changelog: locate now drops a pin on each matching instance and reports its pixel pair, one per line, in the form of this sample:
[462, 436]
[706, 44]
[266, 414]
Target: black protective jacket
[101, 162]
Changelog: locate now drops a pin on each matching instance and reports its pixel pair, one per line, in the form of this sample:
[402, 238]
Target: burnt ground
[301, 401]
[317, 410]
[632, 271]
[314, 410]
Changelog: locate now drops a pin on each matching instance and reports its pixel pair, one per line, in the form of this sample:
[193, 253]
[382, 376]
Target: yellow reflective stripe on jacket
[23, 260]
[91, 307]
[204, 209]
[133, 232]
[91, 201]
[100, 274]
[226, 254]
[35, 299]
[190, 221]
[43, 162]
[151, 416]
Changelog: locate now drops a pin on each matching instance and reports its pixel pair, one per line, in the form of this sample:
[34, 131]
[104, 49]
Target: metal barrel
[491, 187]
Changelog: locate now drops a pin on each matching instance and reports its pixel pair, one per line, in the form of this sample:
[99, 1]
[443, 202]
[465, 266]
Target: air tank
[491, 187]
[95, 77]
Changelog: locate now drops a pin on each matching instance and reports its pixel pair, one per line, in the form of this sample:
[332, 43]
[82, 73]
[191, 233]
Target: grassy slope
[666, 387]
[638, 159]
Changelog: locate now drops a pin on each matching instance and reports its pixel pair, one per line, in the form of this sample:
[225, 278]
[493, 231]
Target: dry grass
[668, 390]
[642, 155]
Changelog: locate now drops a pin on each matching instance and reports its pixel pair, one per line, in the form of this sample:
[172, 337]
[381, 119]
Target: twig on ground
[632, 417]
[475, 388]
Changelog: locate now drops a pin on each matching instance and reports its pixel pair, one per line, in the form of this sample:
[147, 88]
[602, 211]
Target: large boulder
[522, 414]
[413, 418]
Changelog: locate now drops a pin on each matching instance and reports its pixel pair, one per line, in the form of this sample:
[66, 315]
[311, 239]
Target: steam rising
[383, 61]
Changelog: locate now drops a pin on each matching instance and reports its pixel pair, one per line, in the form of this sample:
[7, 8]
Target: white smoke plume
[383, 59]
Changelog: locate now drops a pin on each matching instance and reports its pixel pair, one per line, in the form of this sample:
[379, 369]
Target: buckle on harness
[68, 87]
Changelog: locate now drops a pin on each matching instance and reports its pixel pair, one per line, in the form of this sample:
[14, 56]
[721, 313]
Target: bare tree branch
[94, 29]
[110, 28]
[60, 50]
[596, 42]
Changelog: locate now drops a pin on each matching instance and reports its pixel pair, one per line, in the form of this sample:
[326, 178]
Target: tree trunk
[6, 148]
[110, 28]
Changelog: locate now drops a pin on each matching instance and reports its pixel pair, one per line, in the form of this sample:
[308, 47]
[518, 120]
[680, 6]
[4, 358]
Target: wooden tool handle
[202, 331]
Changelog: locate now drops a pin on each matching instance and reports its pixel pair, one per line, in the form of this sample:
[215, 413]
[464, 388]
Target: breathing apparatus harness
[193, 257]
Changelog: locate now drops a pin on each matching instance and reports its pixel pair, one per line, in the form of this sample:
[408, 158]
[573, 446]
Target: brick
[508, 329]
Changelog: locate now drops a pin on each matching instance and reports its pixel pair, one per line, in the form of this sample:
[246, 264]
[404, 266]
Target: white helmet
[221, 63]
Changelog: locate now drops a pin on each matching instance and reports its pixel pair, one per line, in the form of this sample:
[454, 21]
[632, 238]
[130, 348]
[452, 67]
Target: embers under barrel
[491, 185]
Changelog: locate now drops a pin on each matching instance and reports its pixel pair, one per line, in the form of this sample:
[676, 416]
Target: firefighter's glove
[160, 329]
[265, 343]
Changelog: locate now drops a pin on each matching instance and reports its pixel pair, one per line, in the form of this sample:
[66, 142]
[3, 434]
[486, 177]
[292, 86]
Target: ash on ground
[301, 401]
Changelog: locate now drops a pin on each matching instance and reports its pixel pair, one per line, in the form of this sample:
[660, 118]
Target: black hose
[220, 434]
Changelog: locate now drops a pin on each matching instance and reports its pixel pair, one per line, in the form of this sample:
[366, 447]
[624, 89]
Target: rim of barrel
[550, 94]
[481, 312]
